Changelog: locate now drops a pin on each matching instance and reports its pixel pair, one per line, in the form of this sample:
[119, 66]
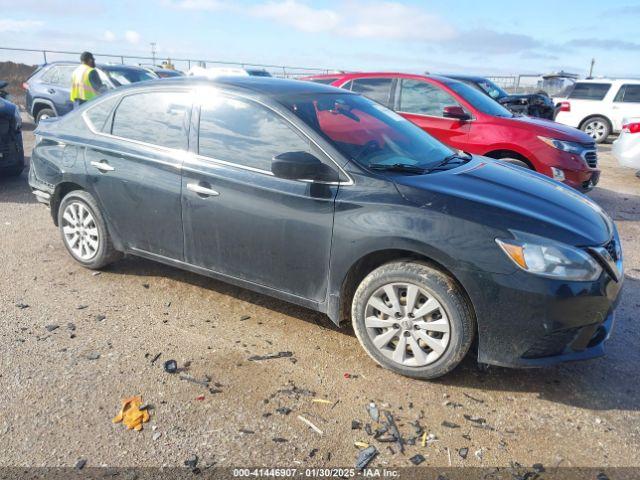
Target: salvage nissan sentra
[331, 201]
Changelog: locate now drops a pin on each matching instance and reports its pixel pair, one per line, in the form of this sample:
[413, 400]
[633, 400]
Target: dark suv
[11, 149]
[327, 199]
[48, 88]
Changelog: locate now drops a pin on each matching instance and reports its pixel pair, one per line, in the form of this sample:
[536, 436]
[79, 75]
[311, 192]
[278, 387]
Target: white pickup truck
[598, 106]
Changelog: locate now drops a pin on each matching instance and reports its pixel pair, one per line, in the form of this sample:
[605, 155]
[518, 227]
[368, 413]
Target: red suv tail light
[565, 106]
[631, 127]
[25, 85]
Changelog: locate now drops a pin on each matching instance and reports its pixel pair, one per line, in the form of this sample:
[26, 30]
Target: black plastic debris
[80, 464]
[368, 429]
[473, 419]
[245, 317]
[71, 326]
[373, 412]
[283, 410]
[538, 467]
[247, 431]
[448, 424]
[365, 456]
[51, 328]
[272, 356]
[93, 356]
[82, 307]
[463, 452]
[393, 428]
[471, 397]
[279, 440]
[356, 425]
[417, 459]
[154, 359]
[192, 463]
[100, 317]
[22, 306]
[313, 452]
[170, 366]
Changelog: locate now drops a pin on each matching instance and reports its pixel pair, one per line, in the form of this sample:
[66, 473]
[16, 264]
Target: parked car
[462, 117]
[532, 104]
[3, 92]
[215, 72]
[11, 148]
[598, 106]
[164, 72]
[626, 149]
[329, 200]
[48, 88]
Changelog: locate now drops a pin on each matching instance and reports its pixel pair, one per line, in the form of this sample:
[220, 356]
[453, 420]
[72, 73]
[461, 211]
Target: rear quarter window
[589, 91]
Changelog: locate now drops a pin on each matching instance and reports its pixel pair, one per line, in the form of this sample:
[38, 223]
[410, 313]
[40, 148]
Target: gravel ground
[60, 387]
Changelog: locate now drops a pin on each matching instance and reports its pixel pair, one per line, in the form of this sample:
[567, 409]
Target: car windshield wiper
[397, 167]
[447, 160]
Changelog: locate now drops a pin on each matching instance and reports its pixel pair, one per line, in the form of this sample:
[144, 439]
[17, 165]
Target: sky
[487, 37]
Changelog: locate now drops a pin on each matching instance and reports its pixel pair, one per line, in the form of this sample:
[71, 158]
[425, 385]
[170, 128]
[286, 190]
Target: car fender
[42, 101]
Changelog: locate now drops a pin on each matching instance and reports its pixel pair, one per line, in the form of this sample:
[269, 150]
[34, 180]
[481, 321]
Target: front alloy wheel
[413, 319]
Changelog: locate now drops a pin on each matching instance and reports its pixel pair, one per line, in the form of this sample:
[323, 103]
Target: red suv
[467, 119]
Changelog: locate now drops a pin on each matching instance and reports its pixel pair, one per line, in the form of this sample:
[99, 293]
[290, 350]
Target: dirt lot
[60, 387]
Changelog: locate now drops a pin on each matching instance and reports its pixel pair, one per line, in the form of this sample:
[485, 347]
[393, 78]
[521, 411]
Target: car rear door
[626, 104]
[423, 103]
[134, 167]
[56, 86]
[240, 220]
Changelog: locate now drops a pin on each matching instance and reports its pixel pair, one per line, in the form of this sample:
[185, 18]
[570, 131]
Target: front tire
[413, 319]
[84, 231]
[597, 128]
[44, 114]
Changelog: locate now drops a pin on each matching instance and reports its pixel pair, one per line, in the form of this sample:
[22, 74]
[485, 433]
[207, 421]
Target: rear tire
[45, 113]
[84, 231]
[399, 305]
[597, 128]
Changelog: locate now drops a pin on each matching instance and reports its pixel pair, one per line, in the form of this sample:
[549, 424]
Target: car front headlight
[18, 118]
[563, 145]
[548, 258]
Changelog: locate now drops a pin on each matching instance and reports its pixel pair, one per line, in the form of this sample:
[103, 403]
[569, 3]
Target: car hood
[517, 98]
[549, 128]
[506, 197]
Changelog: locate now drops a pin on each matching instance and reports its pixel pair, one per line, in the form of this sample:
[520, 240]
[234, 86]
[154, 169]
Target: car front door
[423, 103]
[626, 104]
[240, 220]
[134, 168]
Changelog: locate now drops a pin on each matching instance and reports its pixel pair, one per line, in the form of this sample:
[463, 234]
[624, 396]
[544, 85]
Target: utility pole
[593, 62]
[153, 52]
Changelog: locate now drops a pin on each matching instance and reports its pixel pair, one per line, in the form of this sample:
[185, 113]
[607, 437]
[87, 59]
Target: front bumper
[11, 151]
[580, 171]
[526, 320]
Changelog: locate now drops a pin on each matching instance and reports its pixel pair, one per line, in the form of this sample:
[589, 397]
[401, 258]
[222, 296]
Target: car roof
[267, 86]
[609, 80]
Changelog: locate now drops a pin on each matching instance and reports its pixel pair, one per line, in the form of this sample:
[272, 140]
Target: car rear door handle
[103, 166]
[202, 190]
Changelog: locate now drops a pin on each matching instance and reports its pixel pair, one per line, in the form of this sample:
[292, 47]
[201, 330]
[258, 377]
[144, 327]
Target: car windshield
[493, 90]
[479, 100]
[125, 76]
[367, 132]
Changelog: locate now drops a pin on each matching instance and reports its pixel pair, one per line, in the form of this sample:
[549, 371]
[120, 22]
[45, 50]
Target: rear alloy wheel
[597, 128]
[44, 114]
[84, 232]
[413, 319]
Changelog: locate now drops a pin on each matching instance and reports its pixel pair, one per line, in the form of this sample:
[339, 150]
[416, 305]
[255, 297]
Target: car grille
[591, 157]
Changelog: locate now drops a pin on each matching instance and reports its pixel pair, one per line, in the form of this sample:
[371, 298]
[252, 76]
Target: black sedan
[11, 149]
[531, 104]
[329, 200]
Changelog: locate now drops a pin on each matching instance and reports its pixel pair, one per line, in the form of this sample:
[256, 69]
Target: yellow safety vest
[81, 88]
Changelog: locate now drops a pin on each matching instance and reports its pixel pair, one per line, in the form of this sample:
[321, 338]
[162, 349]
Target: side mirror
[302, 166]
[455, 111]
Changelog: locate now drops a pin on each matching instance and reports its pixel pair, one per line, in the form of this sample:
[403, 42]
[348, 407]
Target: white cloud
[298, 15]
[109, 36]
[10, 25]
[132, 36]
[209, 5]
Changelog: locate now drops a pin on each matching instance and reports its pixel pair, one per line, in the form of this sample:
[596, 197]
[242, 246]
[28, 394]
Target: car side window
[629, 94]
[50, 76]
[589, 91]
[59, 75]
[422, 98]
[245, 133]
[98, 114]
[377, 89]
[158, 118]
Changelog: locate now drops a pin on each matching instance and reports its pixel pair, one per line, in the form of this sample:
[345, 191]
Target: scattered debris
[22, 306]
[246, 431]
[361, 444]
[80, 464]
[82, 307]
[538, 468]
[479, 454]
[463, 452]
[200, 397]
[449, 456]
[478, 420]
[170, 366]
[71, 326]
[313, 452]
[394, 430]
[417, 459]
[52, 327]
[477, 400]
[356, 425]
[368, 429]
[423, 442]
[451, 404]
[100, 317]
[313, 427]
[279, 440]
[321, 400]
[156, 436]
[373, 412]
[145, 285]
[95, 274]
[154, 359]
[245, 317]
[131, 415]
[283, 410]
[365, 457]
[192, 463]
[93, 356]
[448, 424]
[297, 392]
[272, 356]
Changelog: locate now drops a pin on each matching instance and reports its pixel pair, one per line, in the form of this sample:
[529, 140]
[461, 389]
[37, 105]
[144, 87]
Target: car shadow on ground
[16, 189]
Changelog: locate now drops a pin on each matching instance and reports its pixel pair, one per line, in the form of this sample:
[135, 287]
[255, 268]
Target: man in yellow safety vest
[85, 81]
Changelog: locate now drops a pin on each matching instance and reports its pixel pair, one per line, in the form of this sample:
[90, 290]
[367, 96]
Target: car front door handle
[202, 190]
[103, 166]
[51, 91]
